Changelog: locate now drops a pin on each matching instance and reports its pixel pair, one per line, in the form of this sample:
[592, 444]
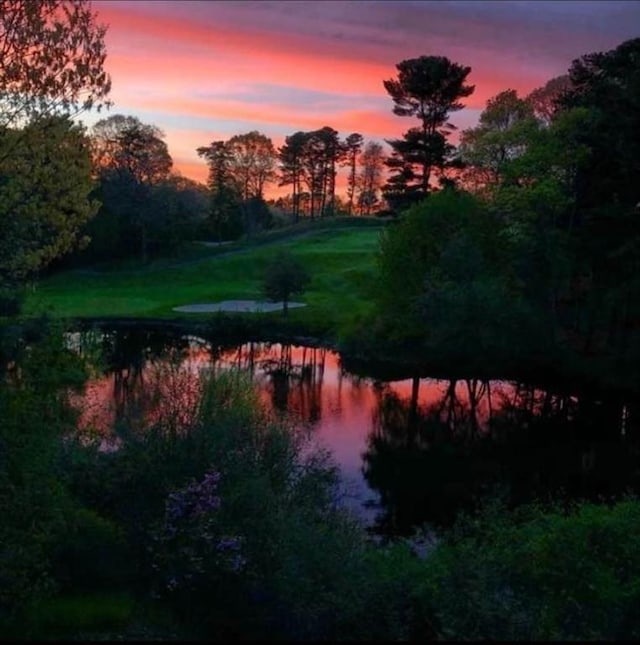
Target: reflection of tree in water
[149, 381]
[294, 375]
[574, 444]
[425, 460]
[243, 357]
[428, 462]
[421, 459]
[145, 366]
[152, 380]
[295, 381]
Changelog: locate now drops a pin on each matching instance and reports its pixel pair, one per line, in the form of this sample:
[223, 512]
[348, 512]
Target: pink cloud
[190, 66]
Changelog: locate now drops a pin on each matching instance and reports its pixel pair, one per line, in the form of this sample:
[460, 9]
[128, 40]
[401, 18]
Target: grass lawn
[340, 260]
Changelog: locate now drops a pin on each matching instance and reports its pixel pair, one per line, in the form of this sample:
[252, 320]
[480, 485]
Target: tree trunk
[426, 170]
[352, 184]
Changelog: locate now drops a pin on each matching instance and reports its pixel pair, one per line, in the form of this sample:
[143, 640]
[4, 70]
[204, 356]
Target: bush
[232, 520]
[67, 617]
[36, 377]
[10, 301]
[92, 556]
[540, 575]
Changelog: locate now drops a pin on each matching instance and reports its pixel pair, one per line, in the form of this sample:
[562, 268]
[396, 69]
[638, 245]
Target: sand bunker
[251, 306]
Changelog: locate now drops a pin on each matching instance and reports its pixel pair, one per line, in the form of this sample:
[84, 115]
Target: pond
[409, 451]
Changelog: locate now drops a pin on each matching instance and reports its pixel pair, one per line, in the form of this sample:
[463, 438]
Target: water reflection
[431, 459]
[410, 451]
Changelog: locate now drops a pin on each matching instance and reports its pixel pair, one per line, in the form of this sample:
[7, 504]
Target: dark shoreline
[569, 373]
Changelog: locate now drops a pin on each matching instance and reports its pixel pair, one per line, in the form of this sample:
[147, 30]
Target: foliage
[506, 127]
[291, 168]
[52, 68]
[82, 616]
[299, 570]
[539, 574]
[309, 160]
[563, 211]
[252, 159]
[11, 299]
[609, 83]
[37, 372]
[284, 277]
[353, 146]
[131, 161]
[429, 88]
[53, 54]
[239, 169]
[132, 149]
[369, 180]
[44, 196]
[606, 86]
[190, 555]
[175, 211]
[444, 241]
[544, 100]
[91, 556]
[225, 207]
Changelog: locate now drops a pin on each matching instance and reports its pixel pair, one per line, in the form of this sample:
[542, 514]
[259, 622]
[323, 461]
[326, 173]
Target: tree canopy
[44, 196]
[51, 68]
[52, 62]
[284, 277]
[428, 88]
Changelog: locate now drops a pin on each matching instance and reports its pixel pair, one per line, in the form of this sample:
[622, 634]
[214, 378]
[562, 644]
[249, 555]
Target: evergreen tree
[428, 88]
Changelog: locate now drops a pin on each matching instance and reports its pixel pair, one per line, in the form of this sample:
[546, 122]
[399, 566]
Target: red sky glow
[203, 70]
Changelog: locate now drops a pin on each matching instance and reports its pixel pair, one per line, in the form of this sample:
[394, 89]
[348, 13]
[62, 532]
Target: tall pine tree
[428, 88]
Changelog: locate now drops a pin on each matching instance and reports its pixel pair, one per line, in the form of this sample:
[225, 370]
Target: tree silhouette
[428, 88]
[224, 212]
[285, 276]
[309, 160]
[545, 100]
[369, 179]
[239, 169]
[353, 146]
[131, 158]
[53, 54]
[251, 162]
[291, 168]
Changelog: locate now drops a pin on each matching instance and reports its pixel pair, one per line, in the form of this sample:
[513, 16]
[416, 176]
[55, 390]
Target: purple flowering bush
[191, 552]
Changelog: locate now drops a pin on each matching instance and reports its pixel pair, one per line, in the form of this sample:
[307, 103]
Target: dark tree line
[534, 245]
[308, 162]
[145, 208]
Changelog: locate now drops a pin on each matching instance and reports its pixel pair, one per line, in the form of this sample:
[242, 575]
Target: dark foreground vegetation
[217, 521]
[517, 251]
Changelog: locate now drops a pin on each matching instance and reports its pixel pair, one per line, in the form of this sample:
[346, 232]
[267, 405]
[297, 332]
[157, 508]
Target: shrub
[34, 501]
[92, 555]
[232, 519]
[540, 575]
[10, 301]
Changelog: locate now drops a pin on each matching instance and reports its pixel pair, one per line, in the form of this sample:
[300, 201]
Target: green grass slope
[340, 260]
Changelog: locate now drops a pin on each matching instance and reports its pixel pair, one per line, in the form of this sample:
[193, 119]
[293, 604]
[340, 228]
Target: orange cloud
[216, 55]
[223, 63]
[191, 169]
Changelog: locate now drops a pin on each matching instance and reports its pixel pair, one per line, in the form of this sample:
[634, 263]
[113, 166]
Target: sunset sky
[203, 70]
